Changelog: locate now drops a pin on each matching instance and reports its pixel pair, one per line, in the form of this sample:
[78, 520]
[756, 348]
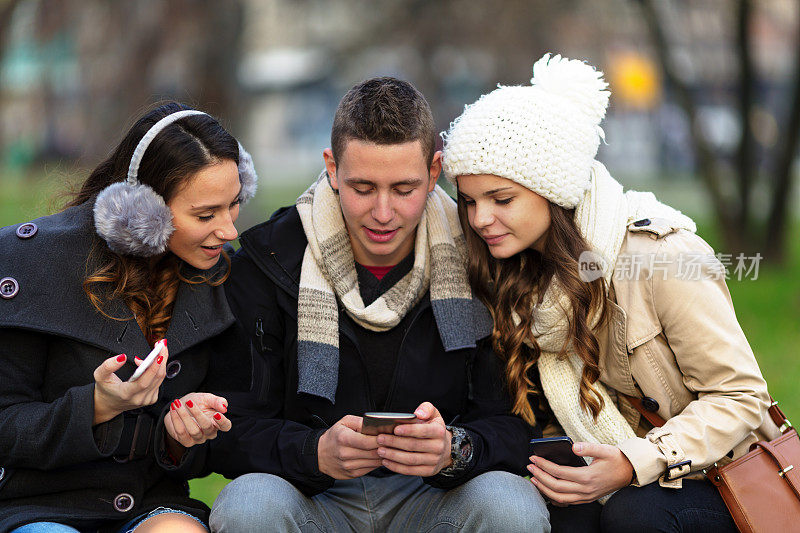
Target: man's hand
[420, 449]
[344, 453]
[568, 485]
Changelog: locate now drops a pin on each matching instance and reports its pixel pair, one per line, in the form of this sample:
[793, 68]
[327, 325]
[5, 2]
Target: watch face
[466, 450]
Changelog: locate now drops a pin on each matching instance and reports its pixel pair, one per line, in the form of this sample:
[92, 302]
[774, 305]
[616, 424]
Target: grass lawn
[768, 308]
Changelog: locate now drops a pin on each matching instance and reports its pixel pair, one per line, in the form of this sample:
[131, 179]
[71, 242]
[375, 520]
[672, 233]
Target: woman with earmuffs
[608, 309]
[133, 261]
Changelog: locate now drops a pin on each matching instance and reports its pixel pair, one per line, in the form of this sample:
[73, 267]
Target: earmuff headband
[144, 142]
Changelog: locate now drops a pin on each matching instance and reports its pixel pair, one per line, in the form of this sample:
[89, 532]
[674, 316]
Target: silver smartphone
[375, 423]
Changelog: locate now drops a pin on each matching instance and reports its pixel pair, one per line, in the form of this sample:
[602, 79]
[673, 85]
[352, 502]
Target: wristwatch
[460, 451]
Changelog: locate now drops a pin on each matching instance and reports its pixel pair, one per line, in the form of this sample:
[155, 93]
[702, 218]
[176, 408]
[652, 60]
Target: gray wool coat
[54, 465]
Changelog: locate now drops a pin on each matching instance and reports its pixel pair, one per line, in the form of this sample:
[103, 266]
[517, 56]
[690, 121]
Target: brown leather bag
[761, 488]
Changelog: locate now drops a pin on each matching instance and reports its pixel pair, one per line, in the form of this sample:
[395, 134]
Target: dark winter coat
[55, 465]
[276, 429]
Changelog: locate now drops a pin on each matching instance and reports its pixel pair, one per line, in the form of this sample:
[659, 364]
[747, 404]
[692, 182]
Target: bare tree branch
[744, 156]
[777, 226]
[706, 163]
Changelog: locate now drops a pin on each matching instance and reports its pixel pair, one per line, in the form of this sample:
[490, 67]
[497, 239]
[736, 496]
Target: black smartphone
[557, 450]
[375, 423]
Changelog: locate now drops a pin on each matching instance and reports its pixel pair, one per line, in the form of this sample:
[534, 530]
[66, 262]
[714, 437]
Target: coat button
[650, 404]
[123, 502]
[173, 369]
[8, 288]
[27, 230]
[643, 222]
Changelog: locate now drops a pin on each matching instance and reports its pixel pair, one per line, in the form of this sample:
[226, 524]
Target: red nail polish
[139, 359]
[121, 358]
[178, 403]
[224, 407]
[189, 404]
[217, 416]
[159, 359]
[165, 342]
[172, 406]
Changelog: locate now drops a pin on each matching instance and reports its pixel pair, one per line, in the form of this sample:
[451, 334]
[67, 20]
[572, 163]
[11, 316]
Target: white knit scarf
[328, 273]
[602, 217]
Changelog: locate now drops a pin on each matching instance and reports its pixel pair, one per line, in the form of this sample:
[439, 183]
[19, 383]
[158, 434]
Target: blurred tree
[733, 205]
[457, 43]
[7, 7]
[128, 55]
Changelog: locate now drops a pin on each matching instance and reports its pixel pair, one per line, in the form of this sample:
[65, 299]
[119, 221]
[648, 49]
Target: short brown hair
[383, 110]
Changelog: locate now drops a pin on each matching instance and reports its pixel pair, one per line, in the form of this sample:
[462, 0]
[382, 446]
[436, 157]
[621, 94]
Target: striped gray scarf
[328, 273]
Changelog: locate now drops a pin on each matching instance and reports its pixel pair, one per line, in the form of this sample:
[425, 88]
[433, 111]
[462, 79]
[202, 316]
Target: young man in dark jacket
[357, 300]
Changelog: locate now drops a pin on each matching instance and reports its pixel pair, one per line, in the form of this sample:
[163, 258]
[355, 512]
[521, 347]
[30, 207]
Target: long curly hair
[148, 286]
[508, 287]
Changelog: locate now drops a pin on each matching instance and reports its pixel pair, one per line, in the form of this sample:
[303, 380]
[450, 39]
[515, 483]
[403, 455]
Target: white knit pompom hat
[543, 136]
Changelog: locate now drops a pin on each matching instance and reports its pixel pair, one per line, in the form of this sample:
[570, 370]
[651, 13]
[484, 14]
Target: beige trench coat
[672, 336]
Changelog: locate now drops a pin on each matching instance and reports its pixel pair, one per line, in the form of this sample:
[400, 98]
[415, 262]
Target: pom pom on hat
[574, 80]
[543, 136]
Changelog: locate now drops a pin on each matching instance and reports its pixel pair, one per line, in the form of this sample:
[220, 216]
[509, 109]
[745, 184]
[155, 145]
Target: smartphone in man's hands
[376, 423]
[556, 450]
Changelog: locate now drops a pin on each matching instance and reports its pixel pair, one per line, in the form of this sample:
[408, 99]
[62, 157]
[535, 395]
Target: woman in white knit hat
[608, 309]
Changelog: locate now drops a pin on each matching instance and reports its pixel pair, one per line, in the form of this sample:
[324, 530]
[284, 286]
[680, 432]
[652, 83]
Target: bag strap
[778, 417]
[787, 470]
[654, 418]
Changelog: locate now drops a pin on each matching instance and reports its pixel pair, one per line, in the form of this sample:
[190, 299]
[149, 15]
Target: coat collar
[277, 247]
[50, 269]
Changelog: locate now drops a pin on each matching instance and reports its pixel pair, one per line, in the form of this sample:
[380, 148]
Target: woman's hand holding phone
[609, 471]
[113, 396]
[194, 419]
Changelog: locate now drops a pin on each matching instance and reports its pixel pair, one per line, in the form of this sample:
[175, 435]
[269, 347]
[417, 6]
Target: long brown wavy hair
[508, 286]
[148, 286]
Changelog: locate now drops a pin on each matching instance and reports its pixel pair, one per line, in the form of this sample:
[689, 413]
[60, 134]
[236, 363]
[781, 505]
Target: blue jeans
[494, 501]
[44, 527]
[54, 527]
